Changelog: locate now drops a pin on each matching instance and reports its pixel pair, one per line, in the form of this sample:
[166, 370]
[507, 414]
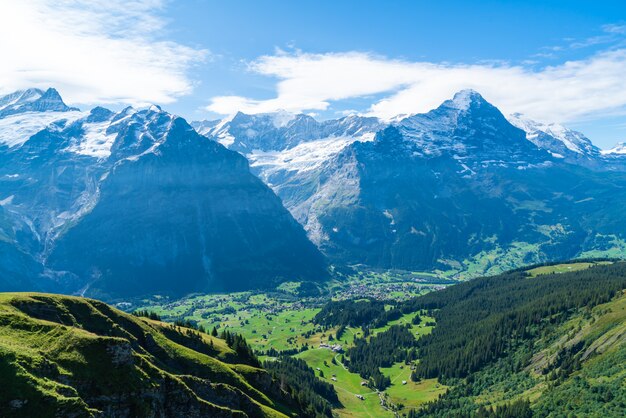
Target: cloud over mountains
[94, 51]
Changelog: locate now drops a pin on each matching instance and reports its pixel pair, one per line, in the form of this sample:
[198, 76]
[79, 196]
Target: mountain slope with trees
[546, 341]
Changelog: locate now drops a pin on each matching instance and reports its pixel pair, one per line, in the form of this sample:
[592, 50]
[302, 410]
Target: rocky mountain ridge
[448, 189]
[137, 202]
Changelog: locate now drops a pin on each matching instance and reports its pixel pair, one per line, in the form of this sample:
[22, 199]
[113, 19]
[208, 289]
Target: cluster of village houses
[337, 348]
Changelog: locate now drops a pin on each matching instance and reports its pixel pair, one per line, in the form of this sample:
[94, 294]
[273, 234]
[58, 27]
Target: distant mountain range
[132, 203]
[461, 188]
[118, 204]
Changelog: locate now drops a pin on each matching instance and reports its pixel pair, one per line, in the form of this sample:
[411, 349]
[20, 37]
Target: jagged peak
[141, 112]
[99, 114]
[465, 104]
[51, 94]
[573, 140]
[19, 97]
[33, 100]
[152, 113]
[464, 99]
[618, 149]
[279, 118]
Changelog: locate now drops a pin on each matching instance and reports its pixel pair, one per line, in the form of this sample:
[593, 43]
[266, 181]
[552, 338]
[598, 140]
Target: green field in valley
[347, 384]
[563, 268]
[283, 320]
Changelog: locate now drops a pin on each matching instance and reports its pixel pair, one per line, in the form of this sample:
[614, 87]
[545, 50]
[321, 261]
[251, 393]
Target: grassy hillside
[68, 356]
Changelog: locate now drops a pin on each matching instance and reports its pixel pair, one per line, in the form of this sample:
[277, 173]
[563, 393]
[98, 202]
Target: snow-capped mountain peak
[618, 149]
[554, 137]
[19, 97]
[469, 127]
[464, 99]
[280, 130]
[68, 177]
[96, 134]
[25, 112]
[33, 100]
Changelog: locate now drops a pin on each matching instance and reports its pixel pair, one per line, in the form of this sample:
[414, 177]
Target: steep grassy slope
[76, 357]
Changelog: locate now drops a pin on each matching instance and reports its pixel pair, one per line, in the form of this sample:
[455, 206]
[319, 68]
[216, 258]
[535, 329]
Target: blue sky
[562, 61]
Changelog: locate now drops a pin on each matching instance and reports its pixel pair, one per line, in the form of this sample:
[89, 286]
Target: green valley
[530, 336]
[326, 209]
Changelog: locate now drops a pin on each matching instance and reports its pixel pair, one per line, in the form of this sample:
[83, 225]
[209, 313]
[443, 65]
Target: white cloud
[614, 28]
[561, 93]
[93, 51]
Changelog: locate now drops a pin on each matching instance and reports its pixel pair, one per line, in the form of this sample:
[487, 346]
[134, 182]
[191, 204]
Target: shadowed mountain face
[138, 203]
[459, 186]
[191, 217]
[414, 212]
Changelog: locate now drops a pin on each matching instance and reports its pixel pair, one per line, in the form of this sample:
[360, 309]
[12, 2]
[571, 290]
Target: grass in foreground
[70, 356]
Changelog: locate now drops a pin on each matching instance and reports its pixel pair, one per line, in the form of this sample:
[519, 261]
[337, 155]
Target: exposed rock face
[187, 217]
[121, 353]
[33, 100]
[136, 202]
[281, 130]
[439, 189]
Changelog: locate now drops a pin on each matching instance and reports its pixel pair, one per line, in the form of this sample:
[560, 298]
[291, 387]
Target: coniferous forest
[389, 347]
[315, 396]
[495, 332]
[481, 320]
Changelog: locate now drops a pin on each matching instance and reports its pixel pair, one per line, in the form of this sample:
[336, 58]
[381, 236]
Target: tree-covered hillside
[481, 321]
[548, 342]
